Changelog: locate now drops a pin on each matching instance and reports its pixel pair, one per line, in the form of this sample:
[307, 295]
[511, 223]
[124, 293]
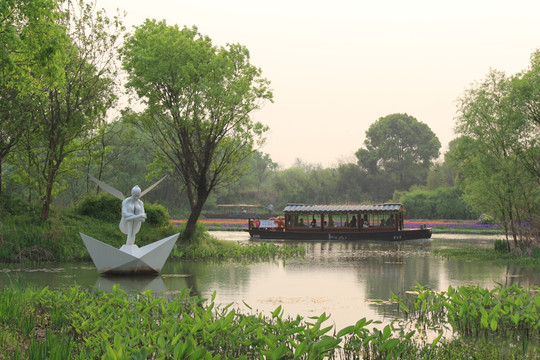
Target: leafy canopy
[198, 99]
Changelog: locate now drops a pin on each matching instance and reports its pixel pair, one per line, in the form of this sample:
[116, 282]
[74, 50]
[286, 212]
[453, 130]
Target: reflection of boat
[129, 259]
[129, 283]
[241, 211]
[337, 222]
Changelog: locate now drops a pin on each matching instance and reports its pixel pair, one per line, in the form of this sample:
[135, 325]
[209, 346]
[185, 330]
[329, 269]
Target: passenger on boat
[313, 223]
[353, 222]
[301, 223]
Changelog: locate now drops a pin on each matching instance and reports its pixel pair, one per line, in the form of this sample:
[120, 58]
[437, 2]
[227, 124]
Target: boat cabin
[344, 218]
[336, 218]
[337, 222]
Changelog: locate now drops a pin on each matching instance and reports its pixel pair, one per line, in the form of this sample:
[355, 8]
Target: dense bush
[13, 205]
[103, 207]
[156, 214]
[501, 245]
[108, 208]
[442, 203]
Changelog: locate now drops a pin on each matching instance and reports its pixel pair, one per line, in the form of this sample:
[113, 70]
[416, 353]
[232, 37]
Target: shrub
[486, 219]
[103, 207]
[108, 208]
[501, 246]
[14, 205]
[156, 214]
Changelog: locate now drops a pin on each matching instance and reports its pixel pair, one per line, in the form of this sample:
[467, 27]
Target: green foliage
[486, 219]
[199, 100]
[156, 214]
[97, 325]
[442, 203]
[108, 208]
[529, 258]
[70, 110]
[497, 315]
[494, 154]
[205, 246]
[399, 148]
[102, 206]
[14, 205]
[500, 245]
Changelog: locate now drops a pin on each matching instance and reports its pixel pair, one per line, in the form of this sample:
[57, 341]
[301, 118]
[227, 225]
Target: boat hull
[391, 235]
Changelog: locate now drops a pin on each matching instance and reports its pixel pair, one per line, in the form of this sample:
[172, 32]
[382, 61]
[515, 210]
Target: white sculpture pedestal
[130, 249]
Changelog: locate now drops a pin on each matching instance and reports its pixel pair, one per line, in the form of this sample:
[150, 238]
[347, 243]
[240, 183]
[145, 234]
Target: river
[341, 279]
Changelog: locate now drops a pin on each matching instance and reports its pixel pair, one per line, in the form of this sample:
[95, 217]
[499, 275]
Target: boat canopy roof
[342, 209]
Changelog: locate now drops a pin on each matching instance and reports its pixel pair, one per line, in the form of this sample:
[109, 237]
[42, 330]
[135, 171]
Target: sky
[337, 66]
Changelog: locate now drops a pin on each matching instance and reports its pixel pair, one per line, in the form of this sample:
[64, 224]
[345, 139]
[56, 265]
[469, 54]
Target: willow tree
[199, 98]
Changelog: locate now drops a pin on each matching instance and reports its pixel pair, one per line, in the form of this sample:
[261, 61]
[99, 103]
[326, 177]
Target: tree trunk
[46, 203]
[191, 224]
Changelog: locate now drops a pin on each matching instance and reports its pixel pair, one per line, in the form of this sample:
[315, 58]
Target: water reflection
[131, 283]
[339, 278]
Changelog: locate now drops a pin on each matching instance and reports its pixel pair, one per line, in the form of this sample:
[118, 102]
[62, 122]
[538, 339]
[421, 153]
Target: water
[339, 278]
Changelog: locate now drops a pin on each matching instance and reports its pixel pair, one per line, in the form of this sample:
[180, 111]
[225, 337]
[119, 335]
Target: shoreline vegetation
[26, 239]
[72, 323]
[83, 323]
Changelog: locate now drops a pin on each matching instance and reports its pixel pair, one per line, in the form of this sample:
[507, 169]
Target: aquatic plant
[76, 323]
[500, 315]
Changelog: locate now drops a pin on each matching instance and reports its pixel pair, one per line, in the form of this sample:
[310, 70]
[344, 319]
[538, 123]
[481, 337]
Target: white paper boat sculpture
[129, 259]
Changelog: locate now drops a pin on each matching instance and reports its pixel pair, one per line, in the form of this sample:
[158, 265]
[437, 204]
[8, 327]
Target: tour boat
[337, 222]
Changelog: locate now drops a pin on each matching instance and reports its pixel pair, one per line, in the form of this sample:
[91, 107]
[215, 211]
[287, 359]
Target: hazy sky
[337, 66]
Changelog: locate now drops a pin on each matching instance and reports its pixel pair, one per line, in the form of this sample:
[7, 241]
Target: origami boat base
[129, 259]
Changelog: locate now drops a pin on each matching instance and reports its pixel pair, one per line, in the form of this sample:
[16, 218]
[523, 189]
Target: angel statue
[132, 208]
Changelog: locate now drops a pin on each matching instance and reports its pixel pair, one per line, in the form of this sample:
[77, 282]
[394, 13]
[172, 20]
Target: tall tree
[401, 148]
[199, 99]
[494, 180]
[31, 58]
[73, 109]
[525, 94]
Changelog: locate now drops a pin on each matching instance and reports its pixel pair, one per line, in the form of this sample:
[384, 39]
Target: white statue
[132, 215]
[129, 259]
[132, 208]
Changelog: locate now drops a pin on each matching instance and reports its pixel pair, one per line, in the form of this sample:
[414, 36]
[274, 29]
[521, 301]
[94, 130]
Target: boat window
[378, 219]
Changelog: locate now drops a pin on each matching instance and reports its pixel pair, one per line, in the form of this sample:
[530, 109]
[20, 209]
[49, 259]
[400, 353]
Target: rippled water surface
[339, 278]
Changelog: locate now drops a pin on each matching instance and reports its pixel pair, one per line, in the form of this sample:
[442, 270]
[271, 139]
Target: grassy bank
[75, 323]
[530, 258]
[25, 238]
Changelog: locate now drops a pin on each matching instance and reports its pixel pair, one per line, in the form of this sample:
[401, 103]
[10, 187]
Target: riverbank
[27, 239]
